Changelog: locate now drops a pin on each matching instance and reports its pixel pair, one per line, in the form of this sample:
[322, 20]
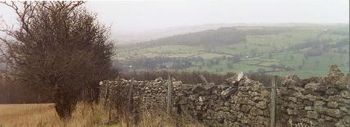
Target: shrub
[58, 50]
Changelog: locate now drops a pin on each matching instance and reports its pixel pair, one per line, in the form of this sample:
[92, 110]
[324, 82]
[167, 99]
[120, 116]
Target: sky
[130, 16]
[134, 16]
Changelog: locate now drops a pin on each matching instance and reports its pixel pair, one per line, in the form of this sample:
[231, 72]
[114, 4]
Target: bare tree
[59, 50]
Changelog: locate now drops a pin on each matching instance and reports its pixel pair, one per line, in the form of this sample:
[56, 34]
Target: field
[44, 115]
[18, 115]
[303, 50]
[85, 115]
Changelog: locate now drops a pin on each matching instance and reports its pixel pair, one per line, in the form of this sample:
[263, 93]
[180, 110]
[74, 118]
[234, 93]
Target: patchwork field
[306, 50]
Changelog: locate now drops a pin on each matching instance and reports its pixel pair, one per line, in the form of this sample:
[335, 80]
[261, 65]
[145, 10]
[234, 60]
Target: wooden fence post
[169, 95]
[273, 103]
[130, 104]
[108, 102]
[106, 96]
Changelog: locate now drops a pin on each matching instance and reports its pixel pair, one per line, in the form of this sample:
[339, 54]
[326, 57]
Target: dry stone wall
[319, 101]
[240, 101]
[134, 96]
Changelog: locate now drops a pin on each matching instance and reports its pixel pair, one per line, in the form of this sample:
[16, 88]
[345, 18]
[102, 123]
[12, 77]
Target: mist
[141, 16]
[140, 20]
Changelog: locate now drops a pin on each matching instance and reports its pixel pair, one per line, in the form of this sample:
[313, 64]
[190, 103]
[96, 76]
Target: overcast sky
[137, 15]
[148, 15]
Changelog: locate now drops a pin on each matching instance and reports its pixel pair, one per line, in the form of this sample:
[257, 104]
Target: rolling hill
[306, 50]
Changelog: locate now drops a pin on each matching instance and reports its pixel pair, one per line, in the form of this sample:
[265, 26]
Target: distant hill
[222, 36]
[124, 38]
[139, 37]
[306, 50]
[208, 38]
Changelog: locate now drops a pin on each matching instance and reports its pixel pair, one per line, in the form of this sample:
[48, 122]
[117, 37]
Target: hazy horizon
[132, 17]
[139, 16]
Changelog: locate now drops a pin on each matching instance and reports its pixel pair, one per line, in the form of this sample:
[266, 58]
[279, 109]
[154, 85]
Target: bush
[58, 50]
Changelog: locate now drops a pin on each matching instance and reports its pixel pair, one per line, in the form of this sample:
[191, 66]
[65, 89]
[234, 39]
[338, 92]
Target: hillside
[143, 36]
[306, 50]
[208, 38]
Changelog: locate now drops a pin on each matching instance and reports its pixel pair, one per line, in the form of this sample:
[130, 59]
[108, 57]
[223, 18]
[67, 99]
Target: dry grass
[28, 115]
[163, 120]
[85, 115]
[44, 115]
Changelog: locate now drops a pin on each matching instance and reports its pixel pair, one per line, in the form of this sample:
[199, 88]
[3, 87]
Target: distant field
[303, 50]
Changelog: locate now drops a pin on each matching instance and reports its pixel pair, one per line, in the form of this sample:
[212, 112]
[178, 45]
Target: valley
[305, 50]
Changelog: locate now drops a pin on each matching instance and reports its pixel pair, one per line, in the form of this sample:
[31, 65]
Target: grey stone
[308, 108]
[328, 118]
[334, 71]
[208, 87]
[240, 76]
[320, 109]
[331, 91]
[261, 105]
[312, 86]
[245, 108]
[319, 103]
[334, 113]
[227, 92]
[308, 103]
[293, 99]
[311, 97]
[345, 94]
[197, 89]
[312, 114]
[264, 93]
[291, 112]
[345, 109]
[332, 104]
